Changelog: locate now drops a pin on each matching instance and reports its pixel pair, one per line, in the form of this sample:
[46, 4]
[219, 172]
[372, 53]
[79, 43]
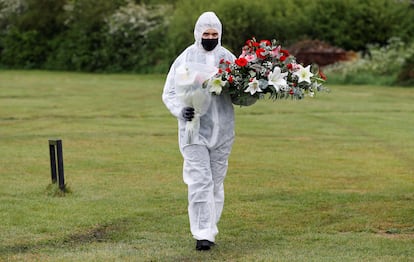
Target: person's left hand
[188, 113]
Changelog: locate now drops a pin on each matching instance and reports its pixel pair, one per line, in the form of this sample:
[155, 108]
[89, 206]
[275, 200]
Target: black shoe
[204, 245]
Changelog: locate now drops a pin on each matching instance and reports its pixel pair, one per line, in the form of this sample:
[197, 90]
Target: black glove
[187, 113]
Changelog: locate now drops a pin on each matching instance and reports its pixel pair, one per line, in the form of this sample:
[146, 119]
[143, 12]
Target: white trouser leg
[201, 206]
[219, 164]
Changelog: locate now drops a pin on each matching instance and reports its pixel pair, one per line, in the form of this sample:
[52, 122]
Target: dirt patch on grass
[396, 234]
[98, 233]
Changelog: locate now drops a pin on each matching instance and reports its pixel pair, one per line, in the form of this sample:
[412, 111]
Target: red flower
[230, 79]
[222, 61]
[241, 61]
[322, 75]
[228, 70]
[284, 52]
[291, 92]
[267, 42]
[290, 66]
[228, 62]
[283, 58]
[259, 53]
[220, 71]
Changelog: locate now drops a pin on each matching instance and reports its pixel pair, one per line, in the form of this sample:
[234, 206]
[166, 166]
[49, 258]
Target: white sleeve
[230, 56]
[169, 95]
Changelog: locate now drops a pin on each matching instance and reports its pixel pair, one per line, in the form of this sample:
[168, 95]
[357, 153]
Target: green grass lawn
[329, 178]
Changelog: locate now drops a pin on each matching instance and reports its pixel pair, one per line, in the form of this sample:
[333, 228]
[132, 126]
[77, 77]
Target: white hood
[207, 20]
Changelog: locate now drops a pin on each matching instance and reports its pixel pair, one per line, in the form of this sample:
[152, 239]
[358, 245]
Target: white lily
[277, 78]
[253, 87]
[304, 74]
[216, 85]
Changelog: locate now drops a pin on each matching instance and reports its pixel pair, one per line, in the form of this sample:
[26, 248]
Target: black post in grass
[55, 150]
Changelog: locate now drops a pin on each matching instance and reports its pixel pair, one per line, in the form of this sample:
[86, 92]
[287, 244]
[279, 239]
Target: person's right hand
[187, 113]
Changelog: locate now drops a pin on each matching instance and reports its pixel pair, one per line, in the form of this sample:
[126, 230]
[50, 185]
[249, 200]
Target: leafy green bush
[406, 75]
[30, 24]
[23, 49]
[134, 33]
[124, 39]
[77, 50]
[8, 9]
[353, 24]
[381, 66]
[80, 47]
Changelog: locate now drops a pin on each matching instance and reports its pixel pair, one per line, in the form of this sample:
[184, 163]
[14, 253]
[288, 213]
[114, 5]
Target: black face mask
[209, 44]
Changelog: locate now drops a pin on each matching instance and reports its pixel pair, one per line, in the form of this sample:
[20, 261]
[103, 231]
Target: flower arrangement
[265, 68]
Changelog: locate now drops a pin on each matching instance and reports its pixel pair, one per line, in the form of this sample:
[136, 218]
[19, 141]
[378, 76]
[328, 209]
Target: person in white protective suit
[206, 160]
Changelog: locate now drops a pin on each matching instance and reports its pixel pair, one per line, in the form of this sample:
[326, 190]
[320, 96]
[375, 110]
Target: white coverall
[205, 163]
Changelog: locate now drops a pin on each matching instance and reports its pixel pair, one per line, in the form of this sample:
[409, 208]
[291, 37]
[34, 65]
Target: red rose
[291, 92]
[230, 79]
[241, 61]
[282, 58]
[290, 66]
[228, 70]
[267, 42]
[259, 53]
[252, 43]
[222, 61]
[284, 52]
[220, 71]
